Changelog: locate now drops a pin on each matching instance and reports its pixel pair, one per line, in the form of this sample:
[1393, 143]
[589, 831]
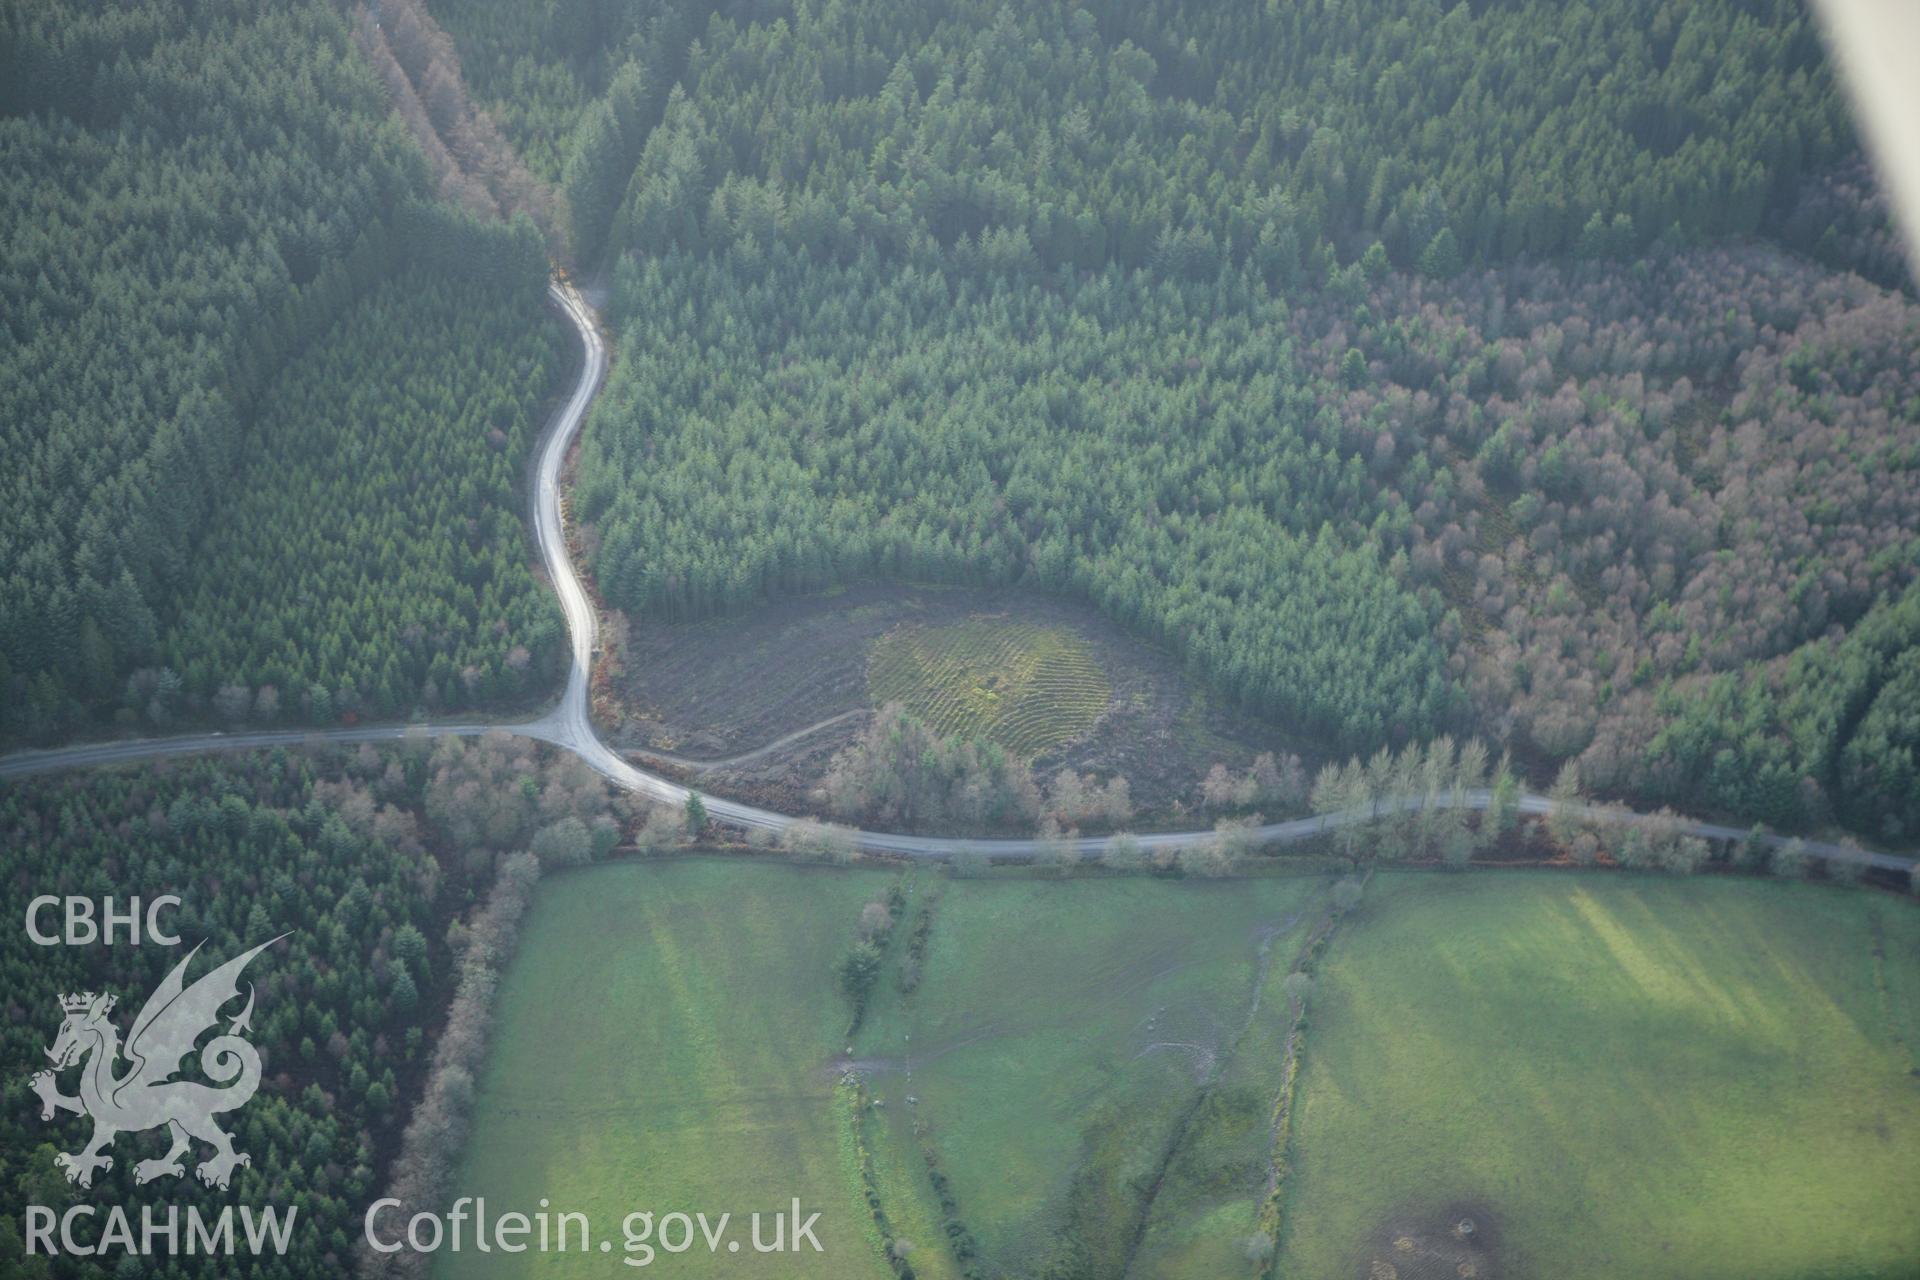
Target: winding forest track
[569, 725]
[697, 765]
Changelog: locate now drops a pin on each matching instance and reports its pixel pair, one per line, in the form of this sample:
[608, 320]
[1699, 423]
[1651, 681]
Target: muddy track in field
[569, 726]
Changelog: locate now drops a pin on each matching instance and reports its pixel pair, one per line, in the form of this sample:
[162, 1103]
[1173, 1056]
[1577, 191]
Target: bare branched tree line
[900, 771]
[430, 1149]
[1417, 801]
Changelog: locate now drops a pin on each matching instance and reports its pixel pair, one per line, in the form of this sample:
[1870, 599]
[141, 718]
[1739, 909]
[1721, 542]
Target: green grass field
[1060, 1034]
[1613, 1076]
[665, 1035]
[662, 1043]
[1029, 688]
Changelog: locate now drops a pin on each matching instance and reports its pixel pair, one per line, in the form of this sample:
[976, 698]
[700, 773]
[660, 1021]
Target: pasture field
[669, 1035]
[662, 1042]
[1059, 1037]
[1028, 688]
[1610, 1076]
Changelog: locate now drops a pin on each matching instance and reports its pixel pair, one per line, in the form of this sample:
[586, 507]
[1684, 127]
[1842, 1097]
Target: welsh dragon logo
[145, 1096]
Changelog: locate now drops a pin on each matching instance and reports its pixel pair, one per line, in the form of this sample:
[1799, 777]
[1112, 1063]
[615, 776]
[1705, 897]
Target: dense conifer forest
[1299, 343]
[379, 864]
[1150, 445]
[173, 177]
[389, 452]
[194, 196]
[1559, 506]
[252, 852]
[1196, 133]
[1408, 368]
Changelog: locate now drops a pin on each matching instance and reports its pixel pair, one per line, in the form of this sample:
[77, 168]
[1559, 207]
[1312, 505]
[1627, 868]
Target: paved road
[569, 726]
